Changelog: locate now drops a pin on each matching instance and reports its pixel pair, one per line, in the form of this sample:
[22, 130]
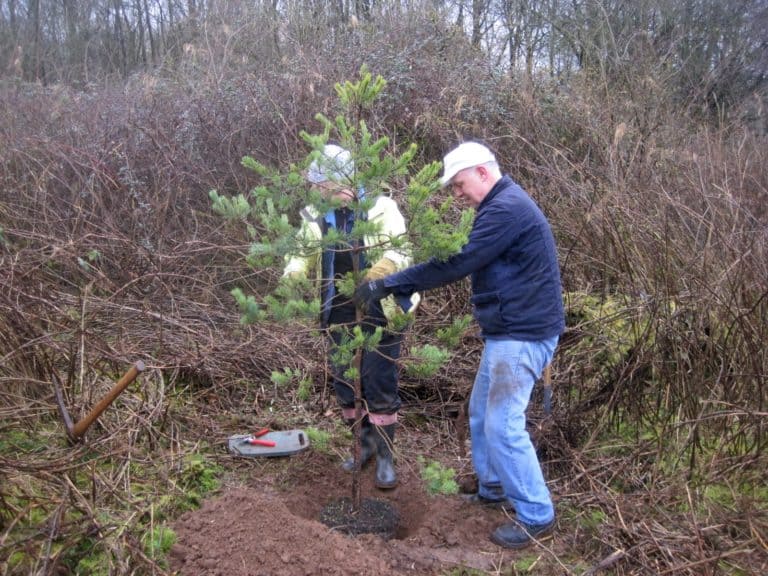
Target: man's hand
[370, 291]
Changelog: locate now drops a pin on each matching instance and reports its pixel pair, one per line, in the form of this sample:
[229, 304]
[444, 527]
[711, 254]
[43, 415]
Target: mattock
[76, 431]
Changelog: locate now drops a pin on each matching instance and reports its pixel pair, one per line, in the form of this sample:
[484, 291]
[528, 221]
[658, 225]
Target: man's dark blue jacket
[516, 290]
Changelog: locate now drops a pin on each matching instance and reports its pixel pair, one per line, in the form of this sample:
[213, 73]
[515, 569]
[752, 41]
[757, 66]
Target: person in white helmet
[333, 175]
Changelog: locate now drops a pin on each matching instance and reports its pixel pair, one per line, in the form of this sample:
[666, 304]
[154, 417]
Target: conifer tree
[270, 208]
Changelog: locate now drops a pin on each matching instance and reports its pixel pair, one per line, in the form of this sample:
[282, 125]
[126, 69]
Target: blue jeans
[504, 457]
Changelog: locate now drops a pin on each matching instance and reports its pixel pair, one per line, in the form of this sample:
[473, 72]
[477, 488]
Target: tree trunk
[141, 43]
[478, 10]
[152, 47]
[358, 425]
[34, 19]
[120, 38]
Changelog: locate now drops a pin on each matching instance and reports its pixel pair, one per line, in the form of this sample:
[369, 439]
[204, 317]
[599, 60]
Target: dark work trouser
[379, 379]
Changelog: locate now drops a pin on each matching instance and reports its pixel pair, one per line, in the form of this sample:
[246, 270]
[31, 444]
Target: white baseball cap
[335, 164]
[464, 156]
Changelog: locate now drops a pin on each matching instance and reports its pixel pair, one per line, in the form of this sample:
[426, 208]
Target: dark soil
[270, 524]
[373, 516]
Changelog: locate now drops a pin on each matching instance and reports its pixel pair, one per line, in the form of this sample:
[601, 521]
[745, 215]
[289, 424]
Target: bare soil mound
[271, 526]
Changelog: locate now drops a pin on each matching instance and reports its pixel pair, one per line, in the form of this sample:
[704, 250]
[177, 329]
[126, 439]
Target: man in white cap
[333, 175]
[517, 301]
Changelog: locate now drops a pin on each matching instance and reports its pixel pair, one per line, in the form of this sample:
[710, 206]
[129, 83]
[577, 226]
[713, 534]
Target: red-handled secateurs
[255, 439]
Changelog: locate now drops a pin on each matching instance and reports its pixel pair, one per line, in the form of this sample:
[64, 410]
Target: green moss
[16, 441]
[719, 494]
[461, 571]
[158, 542]
[320, 439]
[198, 478]
[86, 557]
[593, 518]
[751, 495]
[19, 560]
[97, 565]
[526, 563]
[727, 567]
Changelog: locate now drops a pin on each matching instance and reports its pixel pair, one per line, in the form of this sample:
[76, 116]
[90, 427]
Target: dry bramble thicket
[110, 254]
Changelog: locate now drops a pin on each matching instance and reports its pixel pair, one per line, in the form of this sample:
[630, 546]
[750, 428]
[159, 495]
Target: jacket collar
[502, 183]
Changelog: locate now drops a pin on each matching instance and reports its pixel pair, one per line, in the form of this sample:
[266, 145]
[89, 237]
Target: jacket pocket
[487, 311]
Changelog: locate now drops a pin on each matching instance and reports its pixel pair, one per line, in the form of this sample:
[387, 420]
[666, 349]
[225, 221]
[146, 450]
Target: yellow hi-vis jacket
[391, 224]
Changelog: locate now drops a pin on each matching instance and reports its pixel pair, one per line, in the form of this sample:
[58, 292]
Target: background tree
[711, 51]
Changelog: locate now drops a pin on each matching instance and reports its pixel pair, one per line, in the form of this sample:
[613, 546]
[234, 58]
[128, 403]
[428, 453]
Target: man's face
[470, 185]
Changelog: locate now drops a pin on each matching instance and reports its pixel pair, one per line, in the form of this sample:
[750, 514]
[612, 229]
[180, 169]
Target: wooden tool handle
[80, 428]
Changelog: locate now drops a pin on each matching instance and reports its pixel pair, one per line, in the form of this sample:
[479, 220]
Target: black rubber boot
[386, 477]
[367, 448]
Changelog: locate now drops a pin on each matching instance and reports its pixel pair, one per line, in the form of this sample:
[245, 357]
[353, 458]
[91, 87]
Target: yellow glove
[384, 267]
